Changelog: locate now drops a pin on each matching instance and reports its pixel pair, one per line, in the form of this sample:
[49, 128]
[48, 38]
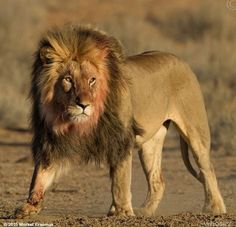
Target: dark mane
[110, 140]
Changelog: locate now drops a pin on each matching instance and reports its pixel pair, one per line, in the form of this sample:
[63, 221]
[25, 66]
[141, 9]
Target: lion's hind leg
[150, 156]
[198, 138]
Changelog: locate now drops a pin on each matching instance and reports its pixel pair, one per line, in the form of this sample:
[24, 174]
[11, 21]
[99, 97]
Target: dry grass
[203, 35]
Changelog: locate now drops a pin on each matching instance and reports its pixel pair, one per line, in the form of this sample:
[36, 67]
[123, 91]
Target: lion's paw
[27, 210]
[215, 207]
[143, 212]
[120, 212]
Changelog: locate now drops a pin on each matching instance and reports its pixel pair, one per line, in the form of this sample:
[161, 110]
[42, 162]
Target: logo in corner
[231, 4]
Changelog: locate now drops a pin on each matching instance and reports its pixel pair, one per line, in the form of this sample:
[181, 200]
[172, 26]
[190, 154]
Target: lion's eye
[68, 79]
[67, 83]
[92, 81]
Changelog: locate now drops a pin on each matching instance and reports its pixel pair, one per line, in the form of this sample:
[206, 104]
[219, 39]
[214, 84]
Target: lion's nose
[83, 105]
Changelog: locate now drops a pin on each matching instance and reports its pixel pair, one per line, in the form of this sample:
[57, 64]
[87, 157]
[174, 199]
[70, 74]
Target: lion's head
[72, 77]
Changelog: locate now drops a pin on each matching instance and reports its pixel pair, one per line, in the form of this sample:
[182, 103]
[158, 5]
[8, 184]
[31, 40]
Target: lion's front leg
[41, 180]
[121, 188]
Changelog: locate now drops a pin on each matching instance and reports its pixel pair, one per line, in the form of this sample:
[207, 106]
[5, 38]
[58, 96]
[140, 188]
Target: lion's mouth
[79, 118]
[78, 115]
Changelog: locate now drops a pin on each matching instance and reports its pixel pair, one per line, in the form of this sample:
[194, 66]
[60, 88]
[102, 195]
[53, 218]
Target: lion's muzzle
[79, 112]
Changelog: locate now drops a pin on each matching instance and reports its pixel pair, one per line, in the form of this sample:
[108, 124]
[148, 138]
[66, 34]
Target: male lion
[90, 103]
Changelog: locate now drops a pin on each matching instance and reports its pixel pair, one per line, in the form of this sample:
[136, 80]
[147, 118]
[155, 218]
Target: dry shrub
[133, 33]
[195, 23]
[19, 24]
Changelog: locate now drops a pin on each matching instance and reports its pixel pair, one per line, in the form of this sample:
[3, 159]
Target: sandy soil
[82, 198]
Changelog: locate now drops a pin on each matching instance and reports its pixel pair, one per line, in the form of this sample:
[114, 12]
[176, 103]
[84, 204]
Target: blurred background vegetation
[202, 32]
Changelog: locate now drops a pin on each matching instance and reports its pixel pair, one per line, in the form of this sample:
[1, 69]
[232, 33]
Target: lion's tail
[185, 156]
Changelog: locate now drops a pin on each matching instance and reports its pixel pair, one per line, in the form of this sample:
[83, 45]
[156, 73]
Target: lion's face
[78, 96]
[76, 91]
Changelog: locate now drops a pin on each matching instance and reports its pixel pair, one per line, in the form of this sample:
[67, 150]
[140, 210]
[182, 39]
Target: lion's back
[161, 84]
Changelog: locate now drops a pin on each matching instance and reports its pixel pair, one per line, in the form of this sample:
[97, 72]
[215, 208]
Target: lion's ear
[110, 45]
[45, 54]
[116, 48]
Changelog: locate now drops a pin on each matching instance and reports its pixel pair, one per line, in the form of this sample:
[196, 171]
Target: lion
[92, 103]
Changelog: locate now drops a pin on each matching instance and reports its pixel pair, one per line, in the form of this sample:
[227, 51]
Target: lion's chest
[109, 143]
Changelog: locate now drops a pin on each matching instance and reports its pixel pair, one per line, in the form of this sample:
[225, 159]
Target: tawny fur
[130, 107]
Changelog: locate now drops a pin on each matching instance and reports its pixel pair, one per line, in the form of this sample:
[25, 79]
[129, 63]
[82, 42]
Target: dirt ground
[82, 198]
